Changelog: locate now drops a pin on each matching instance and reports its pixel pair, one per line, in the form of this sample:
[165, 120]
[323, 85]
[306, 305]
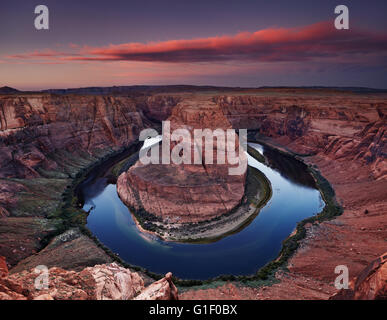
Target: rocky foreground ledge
[101, 282]
[112, 282]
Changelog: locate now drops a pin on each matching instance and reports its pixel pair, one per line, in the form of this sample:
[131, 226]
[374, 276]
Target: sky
[245, 43]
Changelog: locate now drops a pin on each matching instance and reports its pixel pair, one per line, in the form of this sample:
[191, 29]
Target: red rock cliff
[36, 126]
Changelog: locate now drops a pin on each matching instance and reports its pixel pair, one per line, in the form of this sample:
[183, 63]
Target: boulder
[163, 289]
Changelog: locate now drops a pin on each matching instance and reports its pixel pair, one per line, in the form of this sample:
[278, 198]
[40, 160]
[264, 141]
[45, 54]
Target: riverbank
[257, 194]
[112, 225]
[261, 277]
[63, 239]
[352, 236]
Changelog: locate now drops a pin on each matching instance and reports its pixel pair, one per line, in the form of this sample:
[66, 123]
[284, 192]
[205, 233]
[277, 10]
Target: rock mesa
[186, 192]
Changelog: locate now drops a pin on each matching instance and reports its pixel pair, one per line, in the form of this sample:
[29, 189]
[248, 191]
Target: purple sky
[232, 43]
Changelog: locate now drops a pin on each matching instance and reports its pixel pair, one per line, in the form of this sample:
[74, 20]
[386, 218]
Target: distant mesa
[8, 90]
[165, 89]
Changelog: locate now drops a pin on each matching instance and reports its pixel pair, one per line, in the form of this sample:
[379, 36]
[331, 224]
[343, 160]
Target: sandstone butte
[186, 192]
[45, 139]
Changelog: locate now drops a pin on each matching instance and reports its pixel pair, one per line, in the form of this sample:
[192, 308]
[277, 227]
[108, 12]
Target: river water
[294, 198]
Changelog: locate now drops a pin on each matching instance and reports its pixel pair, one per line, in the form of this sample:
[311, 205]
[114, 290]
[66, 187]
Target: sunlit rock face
[187, 192]
[340, 127]
[163, 289]
[32, 127]
[101, 282]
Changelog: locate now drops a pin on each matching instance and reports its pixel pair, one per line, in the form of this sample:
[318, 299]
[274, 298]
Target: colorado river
[294, 198]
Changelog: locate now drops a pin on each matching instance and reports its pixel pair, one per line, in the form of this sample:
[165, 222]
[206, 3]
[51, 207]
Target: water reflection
[288, 167]
[294, 198]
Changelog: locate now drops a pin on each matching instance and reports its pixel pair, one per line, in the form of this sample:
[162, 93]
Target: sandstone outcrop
[114, 283]
[340, 127]
[163, 289]
[33, 127]
[159, 107]
[101, 282]
[186, 192]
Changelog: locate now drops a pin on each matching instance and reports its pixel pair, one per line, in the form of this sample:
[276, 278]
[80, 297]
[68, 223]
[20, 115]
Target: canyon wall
[341, 126]
[46, 139]
[35, 127]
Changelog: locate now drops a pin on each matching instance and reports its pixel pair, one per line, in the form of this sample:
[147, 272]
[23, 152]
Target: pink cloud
[314, 42]
[48, 53]
[41, 54]
[319, 40]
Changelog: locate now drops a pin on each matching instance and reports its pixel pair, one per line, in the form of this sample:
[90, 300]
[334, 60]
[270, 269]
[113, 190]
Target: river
[294, 198]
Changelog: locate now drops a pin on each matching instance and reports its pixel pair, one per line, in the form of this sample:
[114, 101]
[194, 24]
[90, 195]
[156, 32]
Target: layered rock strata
[101, 282]
[45, 141]
[182, 193]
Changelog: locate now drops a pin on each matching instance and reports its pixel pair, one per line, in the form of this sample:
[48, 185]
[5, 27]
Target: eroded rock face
[44, 133]
[186, 192]
[101, 282]
[159, 107]
[163, 289]
[113, 282]
[34, 126]
[342, 127]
